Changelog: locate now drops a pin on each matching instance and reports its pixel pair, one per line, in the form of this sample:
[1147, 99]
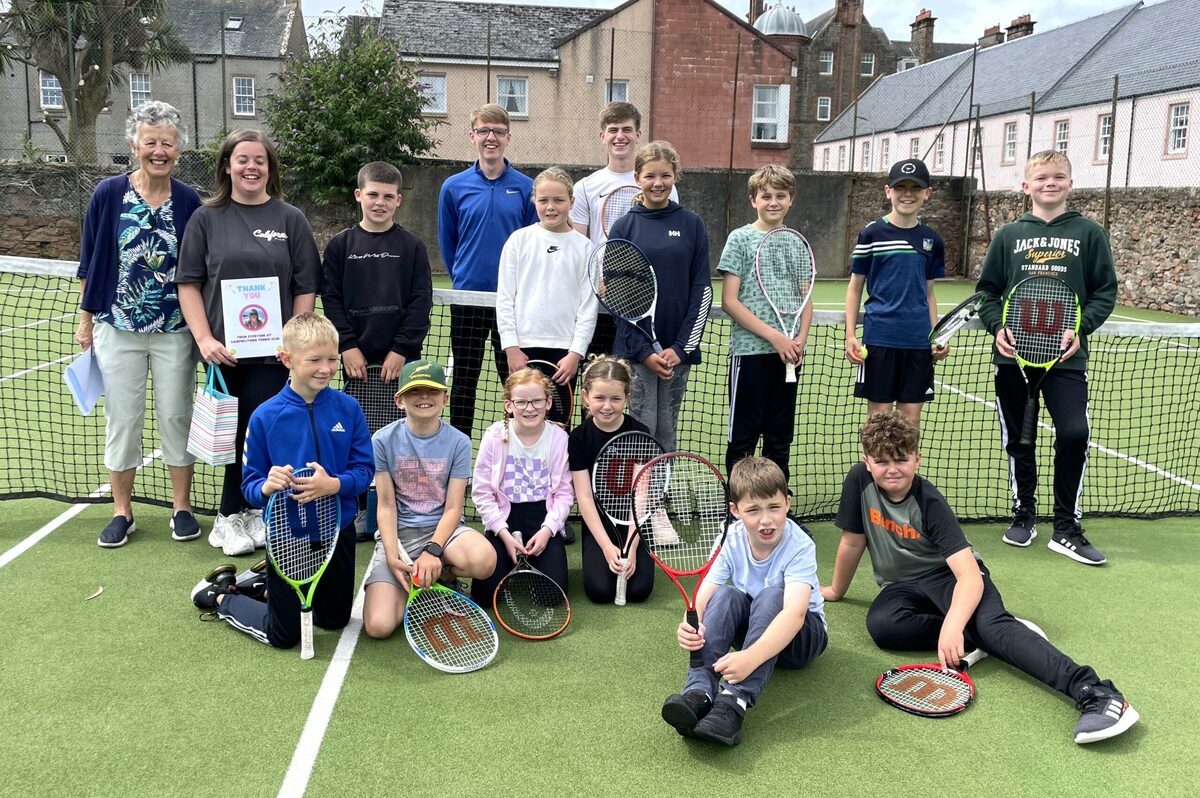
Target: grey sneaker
[1021, 532]
[116, 533]
[184, 525]
[1069, 541]
[253, 526]
[684, 710]
[1104, 713]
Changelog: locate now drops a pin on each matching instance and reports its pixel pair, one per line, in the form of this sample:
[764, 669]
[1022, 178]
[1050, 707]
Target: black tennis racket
[562, 397]
[956, 319]
[786, 273]
[528, 603]
[624, 281]
[616, 204]
[927, 689]
[376, 398]
[616, 467]
[1038, 313]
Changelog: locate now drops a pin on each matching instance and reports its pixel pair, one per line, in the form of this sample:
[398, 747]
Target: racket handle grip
[790, 372]
[1028, 422]
[621, 582]
[657, 347]
[696, 659]
[306, 634]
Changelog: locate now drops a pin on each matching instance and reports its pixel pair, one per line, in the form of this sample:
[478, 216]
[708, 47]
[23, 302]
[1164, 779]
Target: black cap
[913, 170]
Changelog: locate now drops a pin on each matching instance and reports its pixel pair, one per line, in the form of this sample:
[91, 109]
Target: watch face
[433, 549]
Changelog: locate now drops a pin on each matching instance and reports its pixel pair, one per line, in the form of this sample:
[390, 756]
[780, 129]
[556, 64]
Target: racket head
[786, 272]
[562, 398]
[1037, 311]
[613, 474]
[376, 398]
[528, 603]
[446, 629]
[953, 321]
[616, 204]
[682, 509]
[623, 279]
[926, 689]
[301, 538]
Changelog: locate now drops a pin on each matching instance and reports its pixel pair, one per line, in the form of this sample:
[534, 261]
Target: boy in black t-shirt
[936, 592]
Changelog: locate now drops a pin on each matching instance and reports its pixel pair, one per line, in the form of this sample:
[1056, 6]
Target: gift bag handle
[214, 371]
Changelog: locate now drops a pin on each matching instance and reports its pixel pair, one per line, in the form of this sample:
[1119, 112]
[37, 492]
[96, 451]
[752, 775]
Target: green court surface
[131, 694]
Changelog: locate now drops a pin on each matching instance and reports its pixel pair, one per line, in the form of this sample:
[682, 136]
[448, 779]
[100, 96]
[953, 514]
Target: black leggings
[252, 384]
[526, 518]
[600, 584]
[470, 326]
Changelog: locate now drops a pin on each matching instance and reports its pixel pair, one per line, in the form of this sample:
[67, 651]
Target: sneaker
[361, 535]
[184, 525]
[219, 582]
[568, 533]
[1033, 627]
[664, 533]
[252, 525]
[1069, 541]
[723, 723]
[116, 533]
[684, 710]
[1104, 713]
[221, 527]
[237, 540]
[252, 582]
[1021, 532]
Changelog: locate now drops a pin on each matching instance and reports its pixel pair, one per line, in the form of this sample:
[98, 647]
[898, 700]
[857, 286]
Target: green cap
[421, 373]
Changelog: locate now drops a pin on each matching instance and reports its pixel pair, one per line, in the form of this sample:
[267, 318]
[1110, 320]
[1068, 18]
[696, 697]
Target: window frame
[865, 60]
[1104, 141]
[1173, 131]
[55, 86]
[864, 161]
[828, 103]
[524, 81]
[825, 65]
[1062, 135]
[609, 85]
[939, 153]
[779, 117]
[147, 91]
[885, 151]
[422, 79]
[236, 96]
[914, 147]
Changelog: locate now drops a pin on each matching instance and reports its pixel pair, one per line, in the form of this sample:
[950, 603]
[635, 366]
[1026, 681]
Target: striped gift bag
[212, 436]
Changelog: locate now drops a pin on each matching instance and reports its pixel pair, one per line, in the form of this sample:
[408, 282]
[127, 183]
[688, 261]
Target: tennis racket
[786, 273]
[683, 515]
[301, 539]
[955, 320]
[1037, 312]
[612, 487]
[624, 282]
[376, 398]
[447, 629]
[927, 689]
[562, 397]
[528, 603]
[616, 204]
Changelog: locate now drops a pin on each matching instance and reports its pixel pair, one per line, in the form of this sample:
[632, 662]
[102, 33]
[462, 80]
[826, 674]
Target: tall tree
[90, 46]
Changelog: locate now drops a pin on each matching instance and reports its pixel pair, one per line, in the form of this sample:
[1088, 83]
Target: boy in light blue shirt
[762, 596]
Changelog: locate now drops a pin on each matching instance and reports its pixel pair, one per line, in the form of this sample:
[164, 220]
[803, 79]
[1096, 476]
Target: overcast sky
[956, 21]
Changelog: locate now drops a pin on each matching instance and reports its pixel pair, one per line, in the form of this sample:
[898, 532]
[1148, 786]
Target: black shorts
[895, 375]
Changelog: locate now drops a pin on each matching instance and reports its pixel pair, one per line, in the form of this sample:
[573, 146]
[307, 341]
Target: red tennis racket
[929, 690]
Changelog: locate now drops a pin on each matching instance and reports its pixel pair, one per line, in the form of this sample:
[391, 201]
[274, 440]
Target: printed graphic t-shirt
[421, 468]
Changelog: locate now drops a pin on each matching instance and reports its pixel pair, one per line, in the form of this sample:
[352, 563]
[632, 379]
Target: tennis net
[1145, 412]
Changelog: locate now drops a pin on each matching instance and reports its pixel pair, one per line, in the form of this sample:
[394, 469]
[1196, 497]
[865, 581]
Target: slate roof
[266, 25]
[904, 48]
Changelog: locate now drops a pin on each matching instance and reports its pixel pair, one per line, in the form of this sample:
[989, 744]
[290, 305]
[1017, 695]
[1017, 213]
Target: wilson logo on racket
[922, 689]
[619, 476]
[1042, 317]
[454, 631]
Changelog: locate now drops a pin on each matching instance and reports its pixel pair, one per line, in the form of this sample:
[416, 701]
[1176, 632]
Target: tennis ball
[862, 352]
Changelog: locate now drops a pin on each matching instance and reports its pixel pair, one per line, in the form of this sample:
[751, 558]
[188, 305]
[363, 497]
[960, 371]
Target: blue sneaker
[184, 525]
[116, 534]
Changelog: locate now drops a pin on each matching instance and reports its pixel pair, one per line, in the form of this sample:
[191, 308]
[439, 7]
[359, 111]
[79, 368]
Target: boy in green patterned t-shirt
[761, 401]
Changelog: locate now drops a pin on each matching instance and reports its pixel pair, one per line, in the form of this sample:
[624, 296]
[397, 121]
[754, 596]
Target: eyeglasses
[484, 132]
[536, 404]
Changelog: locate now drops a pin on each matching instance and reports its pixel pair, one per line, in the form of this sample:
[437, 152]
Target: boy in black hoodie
[1053, 240]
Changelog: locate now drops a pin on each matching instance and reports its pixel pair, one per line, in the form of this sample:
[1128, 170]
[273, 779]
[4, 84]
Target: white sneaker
[664, 533]
[252, 524]
[237, 539]
[221, 528]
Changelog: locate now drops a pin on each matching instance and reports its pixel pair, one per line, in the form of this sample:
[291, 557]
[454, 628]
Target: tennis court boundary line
[295, 781]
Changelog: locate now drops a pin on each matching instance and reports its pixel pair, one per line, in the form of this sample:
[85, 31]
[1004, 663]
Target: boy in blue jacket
[305, 424]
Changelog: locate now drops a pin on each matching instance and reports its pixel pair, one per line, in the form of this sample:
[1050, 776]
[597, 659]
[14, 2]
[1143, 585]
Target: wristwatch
[434, 549]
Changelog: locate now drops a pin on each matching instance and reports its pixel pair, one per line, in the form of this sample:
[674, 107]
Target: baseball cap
[912, 170]
[421, 373]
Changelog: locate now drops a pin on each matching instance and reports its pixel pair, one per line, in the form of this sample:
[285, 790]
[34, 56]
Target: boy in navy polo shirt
[897, 258]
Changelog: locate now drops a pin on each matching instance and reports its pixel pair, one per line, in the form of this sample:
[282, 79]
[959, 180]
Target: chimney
[991, 36]
[1021, 26]
[848, 12]
[922, 36]
[757, 8]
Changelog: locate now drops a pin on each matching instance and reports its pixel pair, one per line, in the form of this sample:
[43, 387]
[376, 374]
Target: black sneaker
[568, 533]
[723, 723]
[1021, 532]
[252, 582]
[219, 582]
[1104, 713]
[1069, 541]
[684, 710]
[117, 532]
[184, 525]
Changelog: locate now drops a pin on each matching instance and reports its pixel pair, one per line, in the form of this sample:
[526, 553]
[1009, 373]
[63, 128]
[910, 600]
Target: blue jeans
[731, 619]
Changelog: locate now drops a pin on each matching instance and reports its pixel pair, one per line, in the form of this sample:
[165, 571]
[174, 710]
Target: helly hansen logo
[674, 233]
[903, 531]
[337, 427]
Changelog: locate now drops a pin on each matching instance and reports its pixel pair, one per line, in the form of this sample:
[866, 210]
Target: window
[243, 96]
[914, 148]
[233, 23]
[1104, 130]
[52, 95]
[1062, 131]
[979, 148]
[824, 106]
[433, 90]
[841, 157]
[139, 89]
[825, 159]
[826, 62]
[512, 94]
[616, 91]
[939, 153]
[866, 65]
[885, 153]
[1177, 129]
[770, 119]
[1010, 142]
[865, 164]
[906, 63]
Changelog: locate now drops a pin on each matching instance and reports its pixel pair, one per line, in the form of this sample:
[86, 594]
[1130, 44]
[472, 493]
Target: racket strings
[623, 279]
[930, 690]
[617, 204]
[690, 515]
[376, 398]
[1037, 313]
[618, 465]
[530, 603]
[784, 267]
[449, 630]
[294, 552]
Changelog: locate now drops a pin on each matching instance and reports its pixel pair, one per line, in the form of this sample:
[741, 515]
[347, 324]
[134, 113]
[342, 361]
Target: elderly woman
[129, 311]
[245, 231]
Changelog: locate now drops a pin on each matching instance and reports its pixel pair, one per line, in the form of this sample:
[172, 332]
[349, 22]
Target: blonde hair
[1047, 156]
[756, 478]
[489, 113]
[526, 376]
[654, 151]
[888, 433]
[772, 176]
[556, 175]
[308, 329]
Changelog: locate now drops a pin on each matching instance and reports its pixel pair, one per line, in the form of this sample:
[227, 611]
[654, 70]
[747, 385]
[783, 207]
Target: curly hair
[889, 434]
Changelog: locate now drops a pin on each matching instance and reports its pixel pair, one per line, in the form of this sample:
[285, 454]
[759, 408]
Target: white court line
[37, 323]
[39, 367]
[295, 782]
[1137, 461]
